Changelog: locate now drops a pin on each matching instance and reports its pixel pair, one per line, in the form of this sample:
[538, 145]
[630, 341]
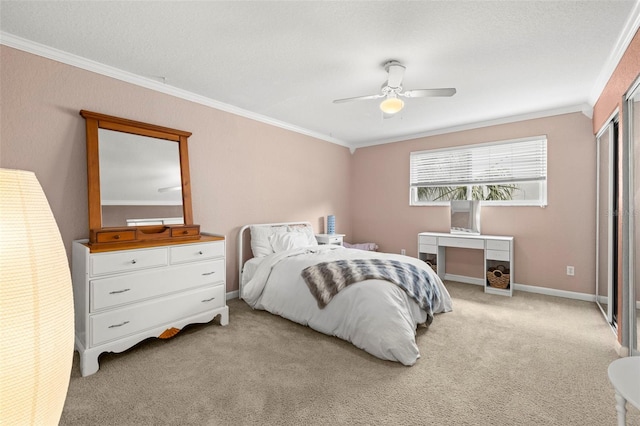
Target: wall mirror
[138, 181]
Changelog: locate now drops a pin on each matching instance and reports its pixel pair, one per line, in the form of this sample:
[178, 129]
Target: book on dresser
[123, 296]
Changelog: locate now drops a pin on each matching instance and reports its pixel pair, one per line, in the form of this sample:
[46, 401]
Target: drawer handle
[133, 262]
[208, 300]
[119, 291]
[116, 237]
[185, 232]
[209, 273]
[200, 252]
[119, 325]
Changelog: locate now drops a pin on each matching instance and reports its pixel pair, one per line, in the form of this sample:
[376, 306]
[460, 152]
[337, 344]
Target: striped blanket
[326, 279]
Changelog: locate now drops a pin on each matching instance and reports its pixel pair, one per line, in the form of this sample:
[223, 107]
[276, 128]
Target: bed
[277, 275]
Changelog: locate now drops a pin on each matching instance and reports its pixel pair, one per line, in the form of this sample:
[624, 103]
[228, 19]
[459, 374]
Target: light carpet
[526, 360]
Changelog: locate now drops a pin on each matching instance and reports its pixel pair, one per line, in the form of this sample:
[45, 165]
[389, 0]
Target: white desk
[624, 374]
[498, 251]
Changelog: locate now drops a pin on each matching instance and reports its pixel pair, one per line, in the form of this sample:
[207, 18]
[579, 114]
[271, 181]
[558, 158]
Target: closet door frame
[630, 222]
[607, 130]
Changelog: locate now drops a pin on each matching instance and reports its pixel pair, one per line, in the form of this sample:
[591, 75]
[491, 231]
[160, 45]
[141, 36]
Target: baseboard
[603, 301]
[528, 288]
[521, 287]
[554, 292]
[464, 279]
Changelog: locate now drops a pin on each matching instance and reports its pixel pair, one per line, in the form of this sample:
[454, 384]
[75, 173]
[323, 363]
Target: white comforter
[374, 315]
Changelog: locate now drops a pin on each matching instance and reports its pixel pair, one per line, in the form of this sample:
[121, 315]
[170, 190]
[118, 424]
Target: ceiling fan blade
[396, 73]
[425, 93]
[358, 98]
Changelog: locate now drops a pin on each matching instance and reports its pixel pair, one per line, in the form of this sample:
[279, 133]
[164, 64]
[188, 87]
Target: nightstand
[330, 238]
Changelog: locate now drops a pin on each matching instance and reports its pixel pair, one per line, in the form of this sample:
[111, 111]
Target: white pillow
[287, 241]
[306, 230]
[260, 244]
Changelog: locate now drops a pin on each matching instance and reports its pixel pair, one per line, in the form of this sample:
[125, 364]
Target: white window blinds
[522, 160]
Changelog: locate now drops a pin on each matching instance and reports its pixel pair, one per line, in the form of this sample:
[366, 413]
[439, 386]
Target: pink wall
[546, 239]
[242, 171]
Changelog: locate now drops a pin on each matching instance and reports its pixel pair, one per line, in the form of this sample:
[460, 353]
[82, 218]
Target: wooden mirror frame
[134, 236]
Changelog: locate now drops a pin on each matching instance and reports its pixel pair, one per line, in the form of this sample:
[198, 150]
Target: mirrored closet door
[606, 223]
[631, 134]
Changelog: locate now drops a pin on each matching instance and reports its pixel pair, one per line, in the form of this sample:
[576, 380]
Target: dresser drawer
[133, 319]
[127, 260]
[185, 231]
[497, 245]
[196, 252]
[123, 289]
[115, 236]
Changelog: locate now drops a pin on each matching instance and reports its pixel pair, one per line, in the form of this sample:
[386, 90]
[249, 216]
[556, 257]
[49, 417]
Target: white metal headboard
[241, 246]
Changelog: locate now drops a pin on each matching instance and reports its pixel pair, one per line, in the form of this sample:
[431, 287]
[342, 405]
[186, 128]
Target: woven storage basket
[432, 266]
[498, 277]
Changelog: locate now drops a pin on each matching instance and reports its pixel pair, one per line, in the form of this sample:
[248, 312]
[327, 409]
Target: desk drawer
[498, 255]
[427, 239]
[139, 317]
[461, 242]
[497, 245]
[428, 248]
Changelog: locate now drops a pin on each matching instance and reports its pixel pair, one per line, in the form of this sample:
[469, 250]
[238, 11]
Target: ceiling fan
[391, 91]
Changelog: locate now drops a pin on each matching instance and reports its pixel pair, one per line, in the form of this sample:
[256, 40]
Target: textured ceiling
[285, 62]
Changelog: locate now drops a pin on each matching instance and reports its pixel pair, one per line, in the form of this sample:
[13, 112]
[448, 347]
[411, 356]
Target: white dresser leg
[224, 316]
[88, 364]
[621, 409]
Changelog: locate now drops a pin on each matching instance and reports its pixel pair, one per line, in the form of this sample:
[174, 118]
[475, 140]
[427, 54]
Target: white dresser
[125, 296]
[498, 256]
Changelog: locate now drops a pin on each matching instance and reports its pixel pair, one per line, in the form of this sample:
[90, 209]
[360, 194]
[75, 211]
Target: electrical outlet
[571, 270]
[403, 252]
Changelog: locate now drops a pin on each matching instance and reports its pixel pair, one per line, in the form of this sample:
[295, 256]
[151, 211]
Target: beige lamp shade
[36, 305]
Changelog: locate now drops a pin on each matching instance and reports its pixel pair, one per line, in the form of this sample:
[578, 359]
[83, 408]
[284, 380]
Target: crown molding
[48, 52]
[626, 35]
[582, 108]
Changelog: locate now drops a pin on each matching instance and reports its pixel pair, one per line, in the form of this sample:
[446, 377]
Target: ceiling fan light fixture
[392, 89]
[391, 105]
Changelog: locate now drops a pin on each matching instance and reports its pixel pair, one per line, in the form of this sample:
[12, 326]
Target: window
[498, 173]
